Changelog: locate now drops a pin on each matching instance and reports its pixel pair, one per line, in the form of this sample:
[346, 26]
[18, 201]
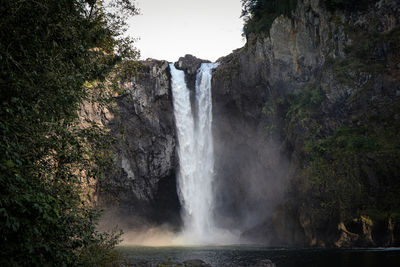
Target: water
[196, 156]
[282, 257]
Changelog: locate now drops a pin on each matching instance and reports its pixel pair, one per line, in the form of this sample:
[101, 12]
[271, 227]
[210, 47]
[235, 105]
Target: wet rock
[358, 232]
[190, 64]
[347, 238]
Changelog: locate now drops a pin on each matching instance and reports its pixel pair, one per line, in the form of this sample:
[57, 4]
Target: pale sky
[169, 29]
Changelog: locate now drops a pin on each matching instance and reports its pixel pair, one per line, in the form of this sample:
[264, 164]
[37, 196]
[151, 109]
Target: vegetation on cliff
[49, 52]
[340, 128]
[350, 172]
[260, 14]
[349, 151]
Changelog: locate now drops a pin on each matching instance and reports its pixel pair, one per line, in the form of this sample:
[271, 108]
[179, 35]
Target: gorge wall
[139, 190]
[305, 123]
[305, 119]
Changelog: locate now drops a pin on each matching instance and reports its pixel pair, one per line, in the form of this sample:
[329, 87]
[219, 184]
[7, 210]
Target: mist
[251, 176]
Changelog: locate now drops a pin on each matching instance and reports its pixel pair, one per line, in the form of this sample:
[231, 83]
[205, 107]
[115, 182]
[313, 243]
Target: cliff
[139, 188]
[305, 124]
[306, 119]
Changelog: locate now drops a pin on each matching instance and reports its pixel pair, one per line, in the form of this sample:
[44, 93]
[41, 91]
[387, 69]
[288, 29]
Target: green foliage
[259, 14]
[352, 139]
[346, 147]
[101, 252]
[302, 113]
[49, 51]
[365, 60]
[270, 111]
[352, 171]
[349, 172]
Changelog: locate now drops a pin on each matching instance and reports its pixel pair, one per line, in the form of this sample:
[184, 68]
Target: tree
[259, 14]
[48, 50]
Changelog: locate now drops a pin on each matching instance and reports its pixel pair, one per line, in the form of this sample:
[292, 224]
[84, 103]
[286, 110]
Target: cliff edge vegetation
[260, 14]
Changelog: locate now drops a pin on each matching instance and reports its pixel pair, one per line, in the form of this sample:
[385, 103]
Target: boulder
[190, 64]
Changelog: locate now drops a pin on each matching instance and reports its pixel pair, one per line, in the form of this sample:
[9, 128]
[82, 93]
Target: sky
[169, 29]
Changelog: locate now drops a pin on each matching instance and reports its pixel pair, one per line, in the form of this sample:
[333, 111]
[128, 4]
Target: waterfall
[195, 151]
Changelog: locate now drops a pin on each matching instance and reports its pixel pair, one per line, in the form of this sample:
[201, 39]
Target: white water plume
[196, 157]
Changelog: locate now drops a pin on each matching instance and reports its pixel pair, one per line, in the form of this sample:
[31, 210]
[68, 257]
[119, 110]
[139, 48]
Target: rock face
[141, 187]
[281, 94]
[190, 64]
[250, 172]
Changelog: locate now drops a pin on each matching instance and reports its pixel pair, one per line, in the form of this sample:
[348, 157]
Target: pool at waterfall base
[244, 255]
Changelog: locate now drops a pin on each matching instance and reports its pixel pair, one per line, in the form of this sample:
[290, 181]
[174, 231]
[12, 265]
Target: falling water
[196, 155]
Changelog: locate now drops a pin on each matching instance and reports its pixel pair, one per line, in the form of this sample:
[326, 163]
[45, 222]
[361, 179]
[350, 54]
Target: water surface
[282, 257]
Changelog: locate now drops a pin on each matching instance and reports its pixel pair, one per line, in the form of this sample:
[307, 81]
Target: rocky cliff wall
[140, 188]
[280, 106]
